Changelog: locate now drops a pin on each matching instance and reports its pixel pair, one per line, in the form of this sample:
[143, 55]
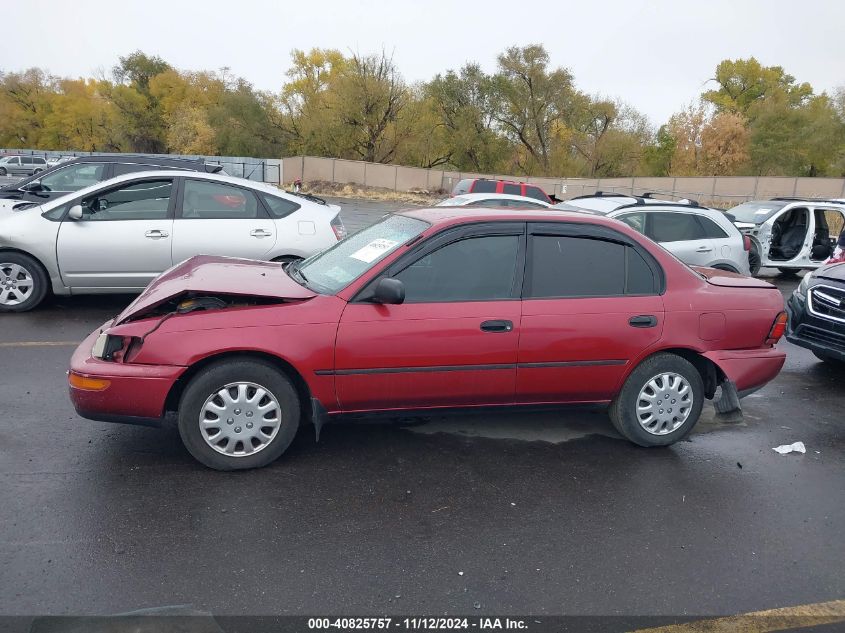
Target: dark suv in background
[83, 171]
[485, 185]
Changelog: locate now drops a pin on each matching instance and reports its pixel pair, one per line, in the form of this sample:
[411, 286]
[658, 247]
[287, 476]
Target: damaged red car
[432, 309]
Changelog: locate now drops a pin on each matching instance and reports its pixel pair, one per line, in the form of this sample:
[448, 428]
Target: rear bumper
[749, 369]
[135, 394]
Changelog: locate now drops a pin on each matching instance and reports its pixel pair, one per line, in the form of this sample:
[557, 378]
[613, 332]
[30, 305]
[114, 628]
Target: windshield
[755, 212]
[333, 269]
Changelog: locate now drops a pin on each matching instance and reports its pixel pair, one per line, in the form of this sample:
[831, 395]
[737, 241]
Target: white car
[696, 235]
[790, 233]
[493, 201]
[118, 235]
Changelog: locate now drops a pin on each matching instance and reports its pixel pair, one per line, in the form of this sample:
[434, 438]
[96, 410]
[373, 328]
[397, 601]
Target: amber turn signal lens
[87, 384]
[778, 327]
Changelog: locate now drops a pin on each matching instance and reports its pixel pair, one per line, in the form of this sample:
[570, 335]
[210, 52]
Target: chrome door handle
[703, 249]
[155, 235]
[260, 233]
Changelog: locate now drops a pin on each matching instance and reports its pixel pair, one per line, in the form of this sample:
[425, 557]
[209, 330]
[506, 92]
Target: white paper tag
[762, 211]
[373, 250]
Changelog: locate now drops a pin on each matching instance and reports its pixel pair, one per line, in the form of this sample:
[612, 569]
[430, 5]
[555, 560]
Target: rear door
[123, 240]
[681, 234]
[591, 305]
[454, 340]
[218, 218]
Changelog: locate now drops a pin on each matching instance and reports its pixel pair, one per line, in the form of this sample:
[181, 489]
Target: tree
[725, 145]
[745, 82]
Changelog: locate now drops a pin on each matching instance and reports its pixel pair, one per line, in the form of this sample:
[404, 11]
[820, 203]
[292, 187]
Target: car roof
[138, 158]
[494, 196]
[445, 216]
[234, 180]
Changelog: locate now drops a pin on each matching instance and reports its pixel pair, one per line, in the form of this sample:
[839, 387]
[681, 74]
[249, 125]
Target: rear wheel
[754, 261]
[725, 267]
[238, 414]
[23, 283]
[660, 401]
[3, 171]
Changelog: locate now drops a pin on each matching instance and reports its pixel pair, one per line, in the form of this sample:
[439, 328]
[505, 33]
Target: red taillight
[746, 242]
[778, 328]
[338, 228]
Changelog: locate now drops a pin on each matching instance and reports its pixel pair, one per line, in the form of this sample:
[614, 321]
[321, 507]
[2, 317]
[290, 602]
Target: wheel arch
[171, 403]
[37, 260]
[711, 374]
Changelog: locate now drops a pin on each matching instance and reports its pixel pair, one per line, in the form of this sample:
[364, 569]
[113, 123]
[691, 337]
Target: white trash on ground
[797, 447]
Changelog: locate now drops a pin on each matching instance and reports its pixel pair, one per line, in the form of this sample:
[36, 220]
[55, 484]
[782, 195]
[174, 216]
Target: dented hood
[210, 275]
[730, 280]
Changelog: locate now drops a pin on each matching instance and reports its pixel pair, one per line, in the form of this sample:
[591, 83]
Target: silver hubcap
[240, 419]
[664, 403]
[15, 284]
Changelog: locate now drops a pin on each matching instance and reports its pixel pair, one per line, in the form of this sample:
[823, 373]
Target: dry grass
[352, 190]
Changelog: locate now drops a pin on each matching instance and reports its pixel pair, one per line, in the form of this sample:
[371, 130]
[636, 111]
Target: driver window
[473, 269]
[73, 177]
[147, 200]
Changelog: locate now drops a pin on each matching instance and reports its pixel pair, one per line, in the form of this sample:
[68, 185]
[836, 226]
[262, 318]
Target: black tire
[726, 268]
[829, 359]
[754, 261]
[30, 267]
[3, 171]
[37, 171]
[789, 272]
[623, 409]
[214, 378]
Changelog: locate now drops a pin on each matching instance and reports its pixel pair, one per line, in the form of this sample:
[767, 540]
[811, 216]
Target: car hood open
[727, 279]
[213, 275]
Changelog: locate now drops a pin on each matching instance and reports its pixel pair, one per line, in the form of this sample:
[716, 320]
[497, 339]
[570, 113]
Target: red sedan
[436, 308]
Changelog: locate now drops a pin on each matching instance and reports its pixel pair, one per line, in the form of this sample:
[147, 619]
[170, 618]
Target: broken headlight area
[114, 347]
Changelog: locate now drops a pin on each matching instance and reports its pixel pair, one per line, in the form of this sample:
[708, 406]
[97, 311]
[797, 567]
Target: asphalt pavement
[541, 513]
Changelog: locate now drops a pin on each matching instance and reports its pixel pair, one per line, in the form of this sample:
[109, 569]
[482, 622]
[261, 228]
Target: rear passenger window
[711, 229]
[515, 190]
[536, 193]
[217, 201]
[484, 186]
[675, 227]
[585, 267]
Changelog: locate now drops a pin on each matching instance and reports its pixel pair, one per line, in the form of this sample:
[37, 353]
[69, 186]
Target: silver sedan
[118, 235]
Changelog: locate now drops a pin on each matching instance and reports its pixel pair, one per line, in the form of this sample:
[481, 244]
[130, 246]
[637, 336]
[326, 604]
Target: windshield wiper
[293, 271]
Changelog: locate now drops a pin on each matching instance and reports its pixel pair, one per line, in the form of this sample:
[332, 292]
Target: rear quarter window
[532, 191]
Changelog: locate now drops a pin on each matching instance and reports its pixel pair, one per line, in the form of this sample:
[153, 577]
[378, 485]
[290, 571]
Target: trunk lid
[214, 275]
[726, 279]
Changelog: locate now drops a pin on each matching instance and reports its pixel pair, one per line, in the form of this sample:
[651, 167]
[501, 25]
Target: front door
[454, 340]
[591, 305]
[123, 239]
[217, 218]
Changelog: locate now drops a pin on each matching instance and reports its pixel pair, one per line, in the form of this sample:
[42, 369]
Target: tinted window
[146, 200]
[206, 200]
[635, 220]
[484, 186]
[515, 190]
[279, 207]
[462, 187]
[583, 267]
[675, 227]
[536, 193]
[39, 161]
[131, 168]
[711, 229]
[26, 160]
[73, 177]
[474, 269]
[491, 203]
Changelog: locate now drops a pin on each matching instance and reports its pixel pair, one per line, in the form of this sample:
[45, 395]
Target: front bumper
[135, 394]
[814, 333]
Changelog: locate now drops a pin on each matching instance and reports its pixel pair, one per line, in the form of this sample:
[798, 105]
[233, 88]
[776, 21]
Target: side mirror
[35, 185]
[389, 290]
[75, 212]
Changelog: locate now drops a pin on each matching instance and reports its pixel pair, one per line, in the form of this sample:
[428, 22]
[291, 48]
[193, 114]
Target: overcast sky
[656, 55]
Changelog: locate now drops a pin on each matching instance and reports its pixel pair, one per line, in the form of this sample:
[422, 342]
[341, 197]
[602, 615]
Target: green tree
[745, 82]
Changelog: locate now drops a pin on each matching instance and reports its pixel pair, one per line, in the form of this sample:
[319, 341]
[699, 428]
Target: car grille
[822, 337]
[828, 302]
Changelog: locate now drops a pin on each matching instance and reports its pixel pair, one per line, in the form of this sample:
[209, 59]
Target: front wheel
[660, 401]
[23, 283]
[238, 414]
[3, 171]
[754, 261]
